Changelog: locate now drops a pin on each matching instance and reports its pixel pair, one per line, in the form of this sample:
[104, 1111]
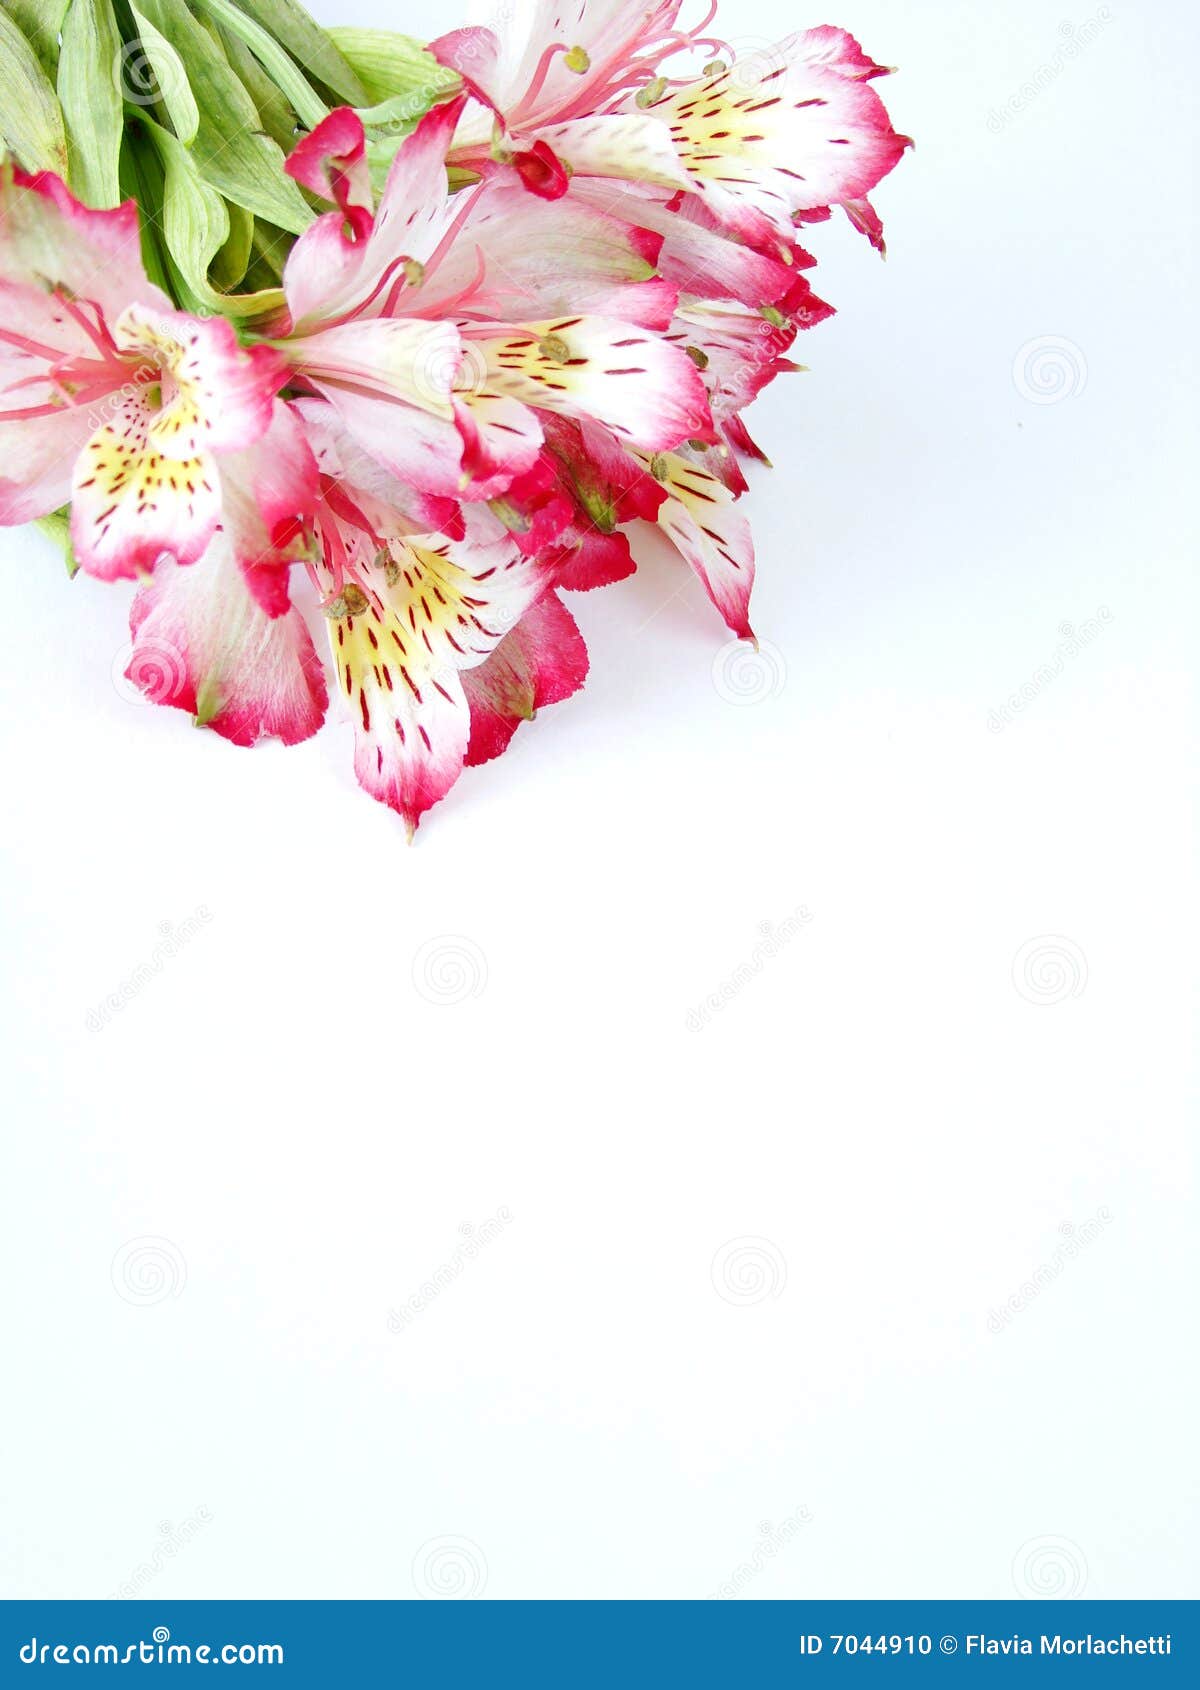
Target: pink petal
[130, 504]
[222, 394]
[331, 163]
[47, 236]
[202, 644]
[542, 661]
[646, 391]
[699, 519]
[428, 609]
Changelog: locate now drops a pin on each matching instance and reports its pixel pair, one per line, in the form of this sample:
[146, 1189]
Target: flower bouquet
[325, 332]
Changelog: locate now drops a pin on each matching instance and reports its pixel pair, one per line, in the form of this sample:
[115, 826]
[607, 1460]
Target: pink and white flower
[109, 397]
[411, 612]
[405, 324]
[756, 143]
[540, 336]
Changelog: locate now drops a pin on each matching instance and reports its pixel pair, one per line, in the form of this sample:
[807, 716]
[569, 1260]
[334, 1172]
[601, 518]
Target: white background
[886, 1102]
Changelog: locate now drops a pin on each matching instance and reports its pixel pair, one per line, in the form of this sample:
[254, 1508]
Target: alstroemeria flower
[693, 508]
[795, 130]
[411, 613]
[476, 386]
[542, 660]
[221, 638]
[109, 397]
[409, 330]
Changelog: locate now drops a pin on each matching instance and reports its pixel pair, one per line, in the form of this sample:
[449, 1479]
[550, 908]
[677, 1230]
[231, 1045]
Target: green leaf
[391, 65]
[194, 219]
[196, 226]
[31, 120]
[90, 67]
[39, 22]
[270, 248]
[310, 46]
[142, 182]
[169, 80]
[232, 153]
[309, 107]
[229, 263]
[276, 116]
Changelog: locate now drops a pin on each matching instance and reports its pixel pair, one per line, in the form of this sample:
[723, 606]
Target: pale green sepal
[57, 527]
[208, 702]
